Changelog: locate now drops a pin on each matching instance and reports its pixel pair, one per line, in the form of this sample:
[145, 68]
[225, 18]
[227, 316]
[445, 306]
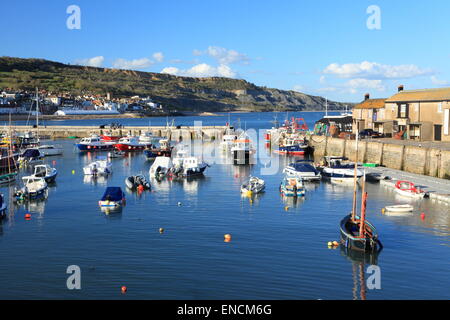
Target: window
[439, 107]
[403, 111]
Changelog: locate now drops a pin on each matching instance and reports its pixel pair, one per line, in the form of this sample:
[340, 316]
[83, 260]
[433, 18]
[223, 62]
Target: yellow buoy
[227, 237]
[73, 171]
[383, 210]
[249, 193]
[330, 244]
[286, 208]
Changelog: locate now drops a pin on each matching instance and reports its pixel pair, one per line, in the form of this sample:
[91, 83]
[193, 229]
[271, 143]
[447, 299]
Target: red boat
[131, 144]
[106, 137]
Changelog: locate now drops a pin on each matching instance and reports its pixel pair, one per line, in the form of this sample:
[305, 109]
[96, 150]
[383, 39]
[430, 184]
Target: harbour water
[278, 248]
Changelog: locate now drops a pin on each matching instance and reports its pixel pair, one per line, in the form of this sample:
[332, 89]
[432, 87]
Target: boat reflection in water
[95, 180]
[112, 212]
[359, 261]
[292, 202]
[189, 184]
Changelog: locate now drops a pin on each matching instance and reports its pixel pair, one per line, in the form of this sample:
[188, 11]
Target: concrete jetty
[182, 133]
[429, 160]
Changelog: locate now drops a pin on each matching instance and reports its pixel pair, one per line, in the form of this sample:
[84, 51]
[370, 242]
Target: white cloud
[374, 70]
[355, 86]
[223, 56]
[135, 64]
[438, 82]
[158, 56]
[202, 70]
[91, 62]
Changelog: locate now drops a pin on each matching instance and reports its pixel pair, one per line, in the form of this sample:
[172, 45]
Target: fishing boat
[303, 169]
[94, 143]
[164, 150]
[34, 188]
[134, 182]
[45, 171]
[113, 197]
[356, 232]
[50, 150]
[185, 165]
[336, 170]
[160, 167]
[254, 185]
[31, 156]
[292, 186]
[408, 189]
[399, 208]
[228, 139]
[101, 166]
[146, 137]
[292, 145]
[242, 149]
[109, 137]
[131, 144]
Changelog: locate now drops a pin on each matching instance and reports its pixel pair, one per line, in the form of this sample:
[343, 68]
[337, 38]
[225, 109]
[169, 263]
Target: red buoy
[27, 216]
[422, 216]
[123, 289]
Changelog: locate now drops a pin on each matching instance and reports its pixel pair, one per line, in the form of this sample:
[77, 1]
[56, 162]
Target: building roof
[439, 94]
[371, 104]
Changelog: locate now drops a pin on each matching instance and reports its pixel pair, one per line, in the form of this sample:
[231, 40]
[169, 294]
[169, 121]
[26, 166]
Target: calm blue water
[274, 253]
[244, 120]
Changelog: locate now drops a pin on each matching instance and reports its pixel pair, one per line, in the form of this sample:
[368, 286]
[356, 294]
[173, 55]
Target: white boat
[45, 171]
[34, 187]
[253, 185]
[146, 137]
[95, 143]
[303, 169]
[408, 189]
[112, 198]
[242, 149]
[50, 150]
[99, 167]
[337, 171]
[160, 167]
[400, 208]
[292, 186]
[185, 165]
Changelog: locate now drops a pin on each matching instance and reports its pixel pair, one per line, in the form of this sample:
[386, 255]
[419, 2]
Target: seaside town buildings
[422, 115]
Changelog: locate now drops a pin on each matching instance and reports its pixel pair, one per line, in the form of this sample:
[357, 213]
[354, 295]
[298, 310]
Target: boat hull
[241, 157]
[130, 147]
[97, 147]
[351, 240]
[153, 153]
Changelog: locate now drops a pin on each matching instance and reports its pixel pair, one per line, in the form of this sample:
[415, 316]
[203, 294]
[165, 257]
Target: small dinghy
[45, 171]
[253, 185]
[160, 167]
[133, 182]
[400, 208]
[113, 197]
[408, 189]
[30, 157]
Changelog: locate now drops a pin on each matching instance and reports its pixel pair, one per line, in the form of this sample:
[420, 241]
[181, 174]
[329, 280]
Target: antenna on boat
[326, 107]
[37, 114]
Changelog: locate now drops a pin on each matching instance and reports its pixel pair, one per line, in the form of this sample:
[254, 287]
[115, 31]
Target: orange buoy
[123, 289]
[422, 216]
[227, 237]
[140, 188]
[27, 216]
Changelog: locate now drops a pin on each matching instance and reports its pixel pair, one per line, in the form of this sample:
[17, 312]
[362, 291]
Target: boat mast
[326, 107]
[37, 114]
[355, 180]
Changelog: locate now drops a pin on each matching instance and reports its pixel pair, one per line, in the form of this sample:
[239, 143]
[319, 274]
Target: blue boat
[94, 143]
[113, 197]
[303, 169]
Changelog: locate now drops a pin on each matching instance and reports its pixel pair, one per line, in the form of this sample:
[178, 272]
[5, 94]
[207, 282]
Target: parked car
[370, 133]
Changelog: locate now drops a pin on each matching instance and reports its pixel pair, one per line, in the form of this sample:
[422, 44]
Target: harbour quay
[179, 133]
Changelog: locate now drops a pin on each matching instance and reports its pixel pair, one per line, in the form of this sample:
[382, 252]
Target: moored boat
[131, 144]
[94, 143]
[292, 186]
[34, 188]
[163, 150]
[254, 185]
[337, 170]
[50, 150]
[185, 165]
[99, 167]
[160, 167]
[136, 181]
[113, 197]
[408, 189]
[45, 171]
[303, 169]
[398, 209]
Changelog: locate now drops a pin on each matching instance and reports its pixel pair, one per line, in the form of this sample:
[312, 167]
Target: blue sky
[317, 47]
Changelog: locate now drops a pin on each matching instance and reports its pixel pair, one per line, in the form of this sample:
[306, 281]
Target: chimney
[400, 88]
[367, 96]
